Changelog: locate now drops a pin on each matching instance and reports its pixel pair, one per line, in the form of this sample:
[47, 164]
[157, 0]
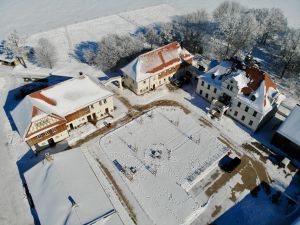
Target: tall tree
[152, 36]
[271, 22]
[290, 52]
[237, 29]
[191, 30]
[115, 48]
[15, 44]
[45, 53]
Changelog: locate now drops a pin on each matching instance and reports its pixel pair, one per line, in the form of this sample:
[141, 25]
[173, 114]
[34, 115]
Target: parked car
[228, 164]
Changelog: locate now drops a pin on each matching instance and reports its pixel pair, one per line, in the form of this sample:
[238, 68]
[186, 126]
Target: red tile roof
[40, 96]
[256, 76]
[167, 54]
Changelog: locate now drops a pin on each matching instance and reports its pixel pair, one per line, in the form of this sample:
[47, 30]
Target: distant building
[65, 191]
[287, 136]
[155, 68]
[249, 96]
[47, 116]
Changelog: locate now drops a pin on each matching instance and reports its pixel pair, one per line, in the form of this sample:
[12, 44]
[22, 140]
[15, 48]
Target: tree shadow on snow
[80, 49]
[15, 96]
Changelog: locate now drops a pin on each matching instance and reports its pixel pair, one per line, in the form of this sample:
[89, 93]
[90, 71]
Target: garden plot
[162, 154]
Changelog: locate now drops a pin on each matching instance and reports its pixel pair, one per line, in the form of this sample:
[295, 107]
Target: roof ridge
[158, 49]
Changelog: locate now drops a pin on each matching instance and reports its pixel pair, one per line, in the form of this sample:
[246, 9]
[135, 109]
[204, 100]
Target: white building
[47, 116]
[155, 68]
[65, 191]
[249, 96]
[287, 136]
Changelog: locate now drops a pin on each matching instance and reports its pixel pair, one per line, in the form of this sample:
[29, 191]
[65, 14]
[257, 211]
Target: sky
[33, 16]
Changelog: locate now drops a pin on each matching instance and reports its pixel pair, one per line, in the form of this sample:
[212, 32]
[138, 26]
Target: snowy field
[170, 151]
[34, 16]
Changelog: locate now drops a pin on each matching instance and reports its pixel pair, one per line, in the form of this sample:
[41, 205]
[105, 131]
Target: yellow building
[155, 68]
[47, 116]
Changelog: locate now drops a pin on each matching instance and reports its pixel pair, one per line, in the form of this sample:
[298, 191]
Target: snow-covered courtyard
[170, 151]
[157, 156]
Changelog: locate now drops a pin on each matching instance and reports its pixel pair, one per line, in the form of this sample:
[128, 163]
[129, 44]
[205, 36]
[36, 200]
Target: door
[106, 111]
[71, 126]
[89, 118]
[153, 86]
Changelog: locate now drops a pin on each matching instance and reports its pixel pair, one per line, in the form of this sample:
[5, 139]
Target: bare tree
[237, 29]
[89, 56]
[45, 53]
[167, 33]
[191, 30]
[15, 44]
[115, 48]
[290, 52]
[152, 36]
[271, 22]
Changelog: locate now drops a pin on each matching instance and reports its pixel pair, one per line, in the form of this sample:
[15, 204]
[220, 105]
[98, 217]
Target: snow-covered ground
[170, 150]
[33, 16]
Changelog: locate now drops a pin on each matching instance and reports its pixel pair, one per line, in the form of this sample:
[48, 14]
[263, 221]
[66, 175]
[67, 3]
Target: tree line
[231, 30]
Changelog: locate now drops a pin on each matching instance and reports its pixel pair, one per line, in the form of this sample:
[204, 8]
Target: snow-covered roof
[217, 74]
[290, 128]
[58, 100]
[257, 90]
[255, 87]
[150, 63]
[68, 178]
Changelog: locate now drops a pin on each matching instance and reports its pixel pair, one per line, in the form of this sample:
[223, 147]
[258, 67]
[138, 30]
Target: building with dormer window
[249, 96]
[47, 116]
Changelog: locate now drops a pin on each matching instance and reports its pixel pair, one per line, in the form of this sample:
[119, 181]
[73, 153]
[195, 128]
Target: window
[246, 109]
[47, 133]
[202, 83]
[239, 104]
[235, 113]
[212, 98]
[206, 95]
[53, 130]
[231, 88]
[228, 86]
[100, 102]
[208, 87]
[39, 136]
[104, 101]
[200, 92]
[254, 113]
[92, 106]
[144, 81]
[250, 123]
[243, 118]
[215, 90]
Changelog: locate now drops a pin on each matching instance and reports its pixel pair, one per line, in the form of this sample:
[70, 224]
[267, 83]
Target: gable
[43, 123]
